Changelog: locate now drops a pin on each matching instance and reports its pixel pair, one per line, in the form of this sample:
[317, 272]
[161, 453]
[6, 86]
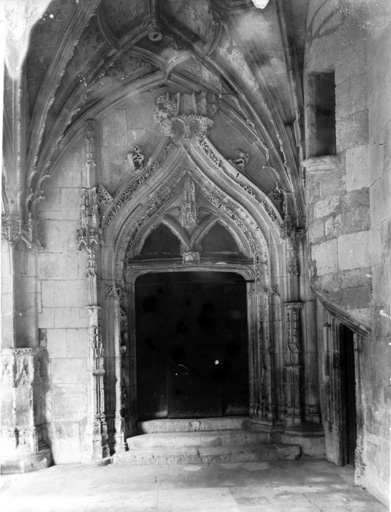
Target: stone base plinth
[27, 462]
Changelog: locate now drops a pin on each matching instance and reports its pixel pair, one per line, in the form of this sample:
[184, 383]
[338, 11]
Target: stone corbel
[15, 229]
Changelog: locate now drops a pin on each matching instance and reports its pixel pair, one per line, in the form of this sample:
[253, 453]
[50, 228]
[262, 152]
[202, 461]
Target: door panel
[192, 355]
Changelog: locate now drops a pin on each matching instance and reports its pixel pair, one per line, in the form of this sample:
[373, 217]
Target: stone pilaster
[89, 238]
[293, 311]
[24, 384]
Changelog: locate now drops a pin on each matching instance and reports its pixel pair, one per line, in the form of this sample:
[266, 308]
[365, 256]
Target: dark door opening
[348, 392]
[192, 345]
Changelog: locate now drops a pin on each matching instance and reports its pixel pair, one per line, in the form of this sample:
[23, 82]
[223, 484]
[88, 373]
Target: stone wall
[377, 354]
[348, 207]
[337, 186]
[62, 311]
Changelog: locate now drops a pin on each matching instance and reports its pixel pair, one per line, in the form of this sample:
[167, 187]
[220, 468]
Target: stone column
[294, 413]
[266, 359]
[113, 367]
[253, 352]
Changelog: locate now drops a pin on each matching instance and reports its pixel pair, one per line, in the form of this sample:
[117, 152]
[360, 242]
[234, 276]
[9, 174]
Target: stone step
[199, 439]
[193, 425]
[208, 454]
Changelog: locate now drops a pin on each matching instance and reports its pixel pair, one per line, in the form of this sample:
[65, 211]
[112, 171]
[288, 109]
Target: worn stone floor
[293, 486]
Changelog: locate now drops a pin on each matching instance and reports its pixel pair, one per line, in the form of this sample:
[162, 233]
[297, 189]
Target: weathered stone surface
[316, 231]
[353, 250]
[64, 317]
[67, 371]
[77, 342]
[114, 129]
[65, 437]
[352, 131]
[380, 206]
[63, 294]
[325, 207]
[198, 439]
[192, 425]
[68, 401]
[59, 235]
[58, 265]
[208, 454]
[27, 463]
[326, 257]
[351, 96]
[56, 343]
[358, 171]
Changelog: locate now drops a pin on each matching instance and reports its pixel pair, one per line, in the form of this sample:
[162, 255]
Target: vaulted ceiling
[85, 57]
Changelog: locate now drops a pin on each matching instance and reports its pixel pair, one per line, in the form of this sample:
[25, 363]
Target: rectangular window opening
[325, 114]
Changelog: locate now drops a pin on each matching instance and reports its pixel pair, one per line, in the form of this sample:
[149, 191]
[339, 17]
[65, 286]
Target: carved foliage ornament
[128, 193]
[240, 162]
[182, 115]
[227, 206]
[89, 234]
[210, 153]
[14, 230]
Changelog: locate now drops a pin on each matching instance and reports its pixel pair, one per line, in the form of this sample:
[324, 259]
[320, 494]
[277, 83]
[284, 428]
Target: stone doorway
[192, 345]
[348, 394]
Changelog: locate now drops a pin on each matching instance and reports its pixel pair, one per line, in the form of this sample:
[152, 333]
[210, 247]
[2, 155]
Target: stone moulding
[322, 163]
[266, 204]
[54, 74]
[344, 317]
[128, 193]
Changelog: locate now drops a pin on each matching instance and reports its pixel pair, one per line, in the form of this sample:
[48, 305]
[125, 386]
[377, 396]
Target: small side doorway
[192, 345]
[348, 394]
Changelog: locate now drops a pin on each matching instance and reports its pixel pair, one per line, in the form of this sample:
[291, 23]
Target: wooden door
[192, 355]
[348, 391]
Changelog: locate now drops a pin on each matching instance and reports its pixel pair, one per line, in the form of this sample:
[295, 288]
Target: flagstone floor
[280, 486]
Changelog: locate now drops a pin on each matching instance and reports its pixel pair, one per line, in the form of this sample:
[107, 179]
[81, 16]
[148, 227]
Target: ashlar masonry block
[358, 173]
[56, 343]
[70, 317]
[326, 207]
[63, 294]
[77, 342]
[354, 250]
[326, 257]
[67, 371]
[380, 194]
[58, 265]
[352, 131]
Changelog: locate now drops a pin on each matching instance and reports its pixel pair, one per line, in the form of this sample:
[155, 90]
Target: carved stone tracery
[188, 206]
